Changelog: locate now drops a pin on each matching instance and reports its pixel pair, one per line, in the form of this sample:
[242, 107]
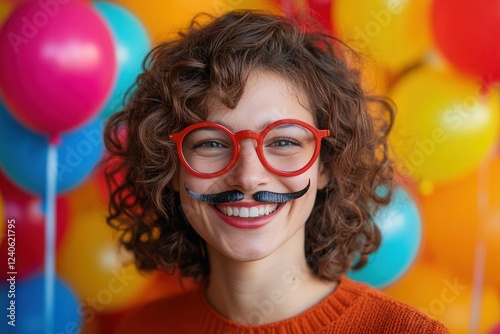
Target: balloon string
[480, 254]
[50, 231]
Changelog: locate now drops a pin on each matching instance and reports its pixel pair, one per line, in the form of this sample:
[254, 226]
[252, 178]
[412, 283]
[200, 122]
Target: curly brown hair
[214, 60]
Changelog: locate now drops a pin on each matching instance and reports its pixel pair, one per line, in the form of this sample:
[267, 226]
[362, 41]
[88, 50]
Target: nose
[248, 172]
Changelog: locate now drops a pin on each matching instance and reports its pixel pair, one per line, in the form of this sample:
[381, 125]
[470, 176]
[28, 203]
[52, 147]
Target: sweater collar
[314, 319]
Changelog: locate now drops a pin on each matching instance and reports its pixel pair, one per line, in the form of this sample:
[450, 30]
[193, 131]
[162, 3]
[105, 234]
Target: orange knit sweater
[351, 308]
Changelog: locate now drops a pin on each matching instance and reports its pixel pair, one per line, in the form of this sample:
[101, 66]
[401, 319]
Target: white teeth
[244, 213]
[254, 212]
[248, 212]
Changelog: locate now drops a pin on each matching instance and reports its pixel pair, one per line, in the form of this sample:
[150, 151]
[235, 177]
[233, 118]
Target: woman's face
[226, 227]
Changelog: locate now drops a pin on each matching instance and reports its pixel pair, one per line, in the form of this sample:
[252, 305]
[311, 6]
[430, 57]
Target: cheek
[313, 174]
[193, 212]
[198, 185]
[306, 202]
[189, 205]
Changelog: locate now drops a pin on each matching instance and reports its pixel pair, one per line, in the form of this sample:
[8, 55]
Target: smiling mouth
[247, 212]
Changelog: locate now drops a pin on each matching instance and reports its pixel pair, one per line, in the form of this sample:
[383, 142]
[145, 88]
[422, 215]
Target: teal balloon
[132, 45]
[23, 154]
[27, 307]
[401, 227]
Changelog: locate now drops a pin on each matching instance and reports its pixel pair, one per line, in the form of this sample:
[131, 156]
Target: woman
[250, 162]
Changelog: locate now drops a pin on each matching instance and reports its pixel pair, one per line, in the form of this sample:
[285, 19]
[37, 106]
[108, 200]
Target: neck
[274, 288]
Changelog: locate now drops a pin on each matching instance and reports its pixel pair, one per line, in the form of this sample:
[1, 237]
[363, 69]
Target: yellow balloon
[446, 297]
[90, 261]
[374, 79]
[396, 33]
[444, 126]
[164, 19]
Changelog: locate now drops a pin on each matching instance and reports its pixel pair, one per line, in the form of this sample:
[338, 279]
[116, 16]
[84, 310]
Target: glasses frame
[257, 136]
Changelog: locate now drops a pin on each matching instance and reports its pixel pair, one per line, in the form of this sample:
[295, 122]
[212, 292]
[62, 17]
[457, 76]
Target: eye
[283, 142]
[209, 144]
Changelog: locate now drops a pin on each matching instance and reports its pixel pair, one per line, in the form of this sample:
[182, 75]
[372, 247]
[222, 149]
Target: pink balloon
[57, 64]
[496, 330]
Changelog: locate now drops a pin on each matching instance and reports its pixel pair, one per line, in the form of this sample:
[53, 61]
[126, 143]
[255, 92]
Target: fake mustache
[236, 195]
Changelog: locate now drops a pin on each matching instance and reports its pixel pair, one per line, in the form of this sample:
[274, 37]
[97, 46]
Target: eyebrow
[261, 128]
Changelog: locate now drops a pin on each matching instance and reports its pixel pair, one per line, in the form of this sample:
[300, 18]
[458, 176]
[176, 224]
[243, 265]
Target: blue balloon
[401, 229]
[132, 45]
[23, 154]
[23, 303]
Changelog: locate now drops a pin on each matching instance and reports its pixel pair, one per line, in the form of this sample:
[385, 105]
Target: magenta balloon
[495, 330]
[57, 64]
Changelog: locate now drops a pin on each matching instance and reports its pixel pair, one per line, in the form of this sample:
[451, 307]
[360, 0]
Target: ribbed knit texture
[351, 308]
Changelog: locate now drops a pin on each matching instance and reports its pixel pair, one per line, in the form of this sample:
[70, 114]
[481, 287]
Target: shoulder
[162, 315]
[389, 315]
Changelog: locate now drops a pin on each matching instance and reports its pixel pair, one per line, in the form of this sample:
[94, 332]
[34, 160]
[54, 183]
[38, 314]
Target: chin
[248, 253]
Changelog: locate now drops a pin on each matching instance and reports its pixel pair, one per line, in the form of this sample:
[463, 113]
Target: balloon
[164, 19]
[5, 9]
[23, 154]
[374, 78]
[100, 177]
[29, 222]
[495, 330]
[29, 307]
[466, 34]
[132, 45]
[57, 65]
[444, 127]
[163, 285]
[443, 295]
[395, 33]
[19, 2]
[454, 222]
[401, 230]
[92, 325]
[90, 260]
[108, 322]
[4, 222]
[109, 164]
[2, 217]
[320, 10]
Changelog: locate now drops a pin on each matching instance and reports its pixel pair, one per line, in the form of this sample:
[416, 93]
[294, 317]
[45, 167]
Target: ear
[323, 178]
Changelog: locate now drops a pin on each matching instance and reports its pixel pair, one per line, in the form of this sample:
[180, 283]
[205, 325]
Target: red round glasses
[287, 147]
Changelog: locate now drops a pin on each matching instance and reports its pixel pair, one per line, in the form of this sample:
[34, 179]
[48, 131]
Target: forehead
[267, 97]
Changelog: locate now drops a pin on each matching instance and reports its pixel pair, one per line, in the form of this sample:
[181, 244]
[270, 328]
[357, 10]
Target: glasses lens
[289, 147]
[207, 150]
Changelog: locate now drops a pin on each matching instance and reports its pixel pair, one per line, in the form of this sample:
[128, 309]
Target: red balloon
[321, 11]
[100, 177]
[26, 211]
[466, 32]
[57, 65]
[109, 165]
